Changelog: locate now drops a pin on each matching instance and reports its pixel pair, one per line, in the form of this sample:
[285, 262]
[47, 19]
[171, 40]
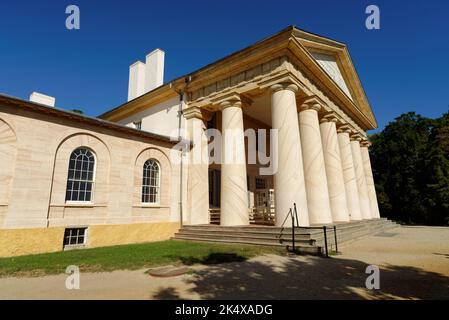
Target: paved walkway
[413, 261]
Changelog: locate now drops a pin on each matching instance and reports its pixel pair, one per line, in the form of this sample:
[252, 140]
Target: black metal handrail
[324, 228]
[292, 216]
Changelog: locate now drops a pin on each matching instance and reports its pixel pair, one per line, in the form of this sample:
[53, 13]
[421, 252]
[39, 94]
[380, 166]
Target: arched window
[81, 176]
[151, 182]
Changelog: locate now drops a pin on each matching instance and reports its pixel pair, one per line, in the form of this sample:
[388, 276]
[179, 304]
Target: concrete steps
[307, 240]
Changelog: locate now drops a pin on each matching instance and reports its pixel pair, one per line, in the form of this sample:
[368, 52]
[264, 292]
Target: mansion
[129, 176]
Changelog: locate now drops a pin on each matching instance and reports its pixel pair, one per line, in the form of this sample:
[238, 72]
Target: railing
[257, 215]
[326, 246]
[293, 214]
[262, 215]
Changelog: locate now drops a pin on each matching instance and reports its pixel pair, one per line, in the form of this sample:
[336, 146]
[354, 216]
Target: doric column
[334, 171]
[314, 169]
[289, 184]
[347, 163]
[360, 177]
[198, 186]
[234, 193]
[369, 180]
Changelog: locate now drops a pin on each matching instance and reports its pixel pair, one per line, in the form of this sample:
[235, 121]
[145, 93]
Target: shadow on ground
[213, 258]
[311, 278]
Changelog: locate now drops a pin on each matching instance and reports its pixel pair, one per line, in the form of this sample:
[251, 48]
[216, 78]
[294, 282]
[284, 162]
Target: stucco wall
[44, 145]
[162, 118]
[34, 155]
[16, 242]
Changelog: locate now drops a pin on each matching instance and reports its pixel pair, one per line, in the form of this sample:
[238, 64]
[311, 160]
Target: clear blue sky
[403, 67]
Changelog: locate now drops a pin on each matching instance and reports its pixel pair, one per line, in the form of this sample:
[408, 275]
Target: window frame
[94, 176]
[76, 245]
[259, 181]
[158, 194]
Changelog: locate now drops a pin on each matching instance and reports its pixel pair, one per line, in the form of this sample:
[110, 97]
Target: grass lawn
[130, 257]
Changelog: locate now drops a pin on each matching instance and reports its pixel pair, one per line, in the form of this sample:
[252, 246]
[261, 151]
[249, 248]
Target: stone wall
[34, 154]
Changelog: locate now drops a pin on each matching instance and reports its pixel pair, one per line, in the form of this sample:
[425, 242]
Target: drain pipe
[180, 138]
[181, 191]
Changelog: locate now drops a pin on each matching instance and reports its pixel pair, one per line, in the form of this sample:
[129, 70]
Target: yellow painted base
[110, 235]
[17, 242]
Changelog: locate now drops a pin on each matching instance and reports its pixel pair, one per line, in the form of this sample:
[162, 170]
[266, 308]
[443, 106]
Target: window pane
[80, 175]
[150, 181]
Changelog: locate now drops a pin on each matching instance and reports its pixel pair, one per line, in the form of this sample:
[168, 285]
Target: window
[138, 125]
[81, 176]
[75, 236]
[151, 182]
[261, 183]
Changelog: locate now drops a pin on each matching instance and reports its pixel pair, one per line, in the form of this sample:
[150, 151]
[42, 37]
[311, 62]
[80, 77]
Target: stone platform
[310, 240]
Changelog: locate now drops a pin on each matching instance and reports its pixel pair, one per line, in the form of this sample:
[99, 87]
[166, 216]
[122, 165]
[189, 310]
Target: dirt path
[414, 264]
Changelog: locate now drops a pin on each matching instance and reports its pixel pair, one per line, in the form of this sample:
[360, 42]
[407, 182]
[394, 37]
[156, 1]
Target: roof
[37, 107]
[305, 39]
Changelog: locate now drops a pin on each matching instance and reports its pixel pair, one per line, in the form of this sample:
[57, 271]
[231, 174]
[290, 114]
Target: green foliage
[131, 257]
[410, 160]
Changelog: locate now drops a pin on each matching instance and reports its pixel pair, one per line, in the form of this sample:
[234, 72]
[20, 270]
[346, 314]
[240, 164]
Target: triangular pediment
[329, 63]
[334, 59]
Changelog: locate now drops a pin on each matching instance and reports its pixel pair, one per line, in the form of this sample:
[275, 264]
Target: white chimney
[42, 99]
[154, 73]
[136, 85]
[144, 77]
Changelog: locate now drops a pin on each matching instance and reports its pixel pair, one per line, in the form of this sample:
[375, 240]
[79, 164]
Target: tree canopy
[410, 160]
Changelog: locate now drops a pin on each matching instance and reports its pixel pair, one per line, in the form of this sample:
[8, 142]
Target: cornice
[23, 105]
[259, 66]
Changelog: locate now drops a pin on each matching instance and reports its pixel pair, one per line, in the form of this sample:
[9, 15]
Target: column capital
[230, 103]
[330, 117]
[312, 103]
[355, 136]
[365, 143]
[197, 113]
[344, 128]
[233, 100]
[284, 86]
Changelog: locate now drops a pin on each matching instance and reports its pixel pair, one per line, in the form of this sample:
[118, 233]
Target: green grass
[130, 257]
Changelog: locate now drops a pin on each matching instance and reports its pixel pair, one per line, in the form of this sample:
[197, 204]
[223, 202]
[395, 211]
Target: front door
[214, 188]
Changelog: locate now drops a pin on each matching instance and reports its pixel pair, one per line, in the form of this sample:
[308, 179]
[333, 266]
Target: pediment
[329, 63]
[334, 59]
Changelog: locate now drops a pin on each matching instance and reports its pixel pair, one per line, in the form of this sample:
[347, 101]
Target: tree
[411, 169]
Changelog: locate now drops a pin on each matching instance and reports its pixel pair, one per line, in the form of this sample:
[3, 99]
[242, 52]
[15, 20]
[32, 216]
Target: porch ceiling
[260, 109]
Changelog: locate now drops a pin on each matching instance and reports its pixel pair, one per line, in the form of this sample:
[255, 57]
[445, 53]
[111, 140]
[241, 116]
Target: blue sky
[404, 66]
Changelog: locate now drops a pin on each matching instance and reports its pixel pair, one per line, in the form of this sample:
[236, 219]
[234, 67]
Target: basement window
[75, 238]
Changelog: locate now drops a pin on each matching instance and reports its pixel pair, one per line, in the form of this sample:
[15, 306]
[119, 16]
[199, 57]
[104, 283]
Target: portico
[320, 117]
[320, 166]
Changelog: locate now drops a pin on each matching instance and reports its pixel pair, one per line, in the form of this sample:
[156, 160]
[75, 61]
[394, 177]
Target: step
[274, 236]
[242, 237]
[311, 239]
[270, 232]
[306, 249]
